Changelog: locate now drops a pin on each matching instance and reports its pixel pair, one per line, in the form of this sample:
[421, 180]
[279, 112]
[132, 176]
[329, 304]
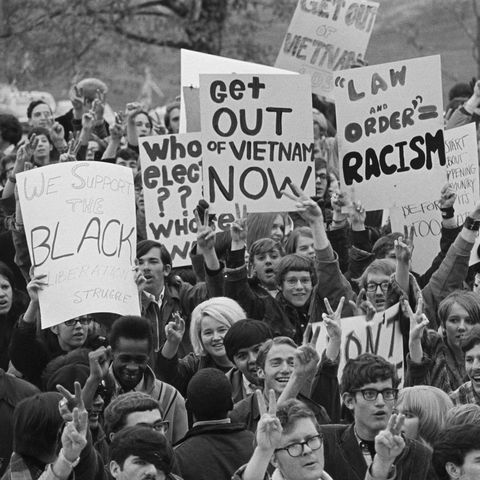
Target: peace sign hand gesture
[205, 233]
[304, 205]
[175, 329]
[239, 228]
[389, 444]
[269, 429]
[332, 319]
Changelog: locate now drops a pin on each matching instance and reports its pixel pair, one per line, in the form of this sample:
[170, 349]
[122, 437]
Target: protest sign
[425, 216]
[257, 136]
[324, 37]
[172, 187]
[380, 336]
[80, 227]
[192, 64]
[390, 132]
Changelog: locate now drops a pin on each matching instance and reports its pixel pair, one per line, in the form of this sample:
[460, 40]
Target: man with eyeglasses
[290, 439]
[369, 391]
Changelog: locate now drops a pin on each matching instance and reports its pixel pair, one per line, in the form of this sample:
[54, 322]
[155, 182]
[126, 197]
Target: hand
[447, 196]
[332, 319]
[74, 435]
[37, 283]
[57, 133]
[239, 227]
[205, 234]
[305, 206]
[25, 153]
[131, 110]
[389, 444]
[418, 320]
[99, 362]
[98, 106]
[116, 133]
[357, 215]
[306, 359]
[87, 121]
[269, 429]
[76, 97]
[404, 246]
[70, 401]
[363, 306]
[139, 279]
[71, 154]
[175, 330]
[339, 200]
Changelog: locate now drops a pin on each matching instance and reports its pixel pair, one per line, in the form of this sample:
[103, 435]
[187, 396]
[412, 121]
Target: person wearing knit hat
[242, 343]
[140, 452]
[172, 117]
[214, 447]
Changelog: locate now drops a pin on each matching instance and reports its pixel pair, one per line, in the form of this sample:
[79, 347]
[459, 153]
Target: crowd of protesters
[219, 377]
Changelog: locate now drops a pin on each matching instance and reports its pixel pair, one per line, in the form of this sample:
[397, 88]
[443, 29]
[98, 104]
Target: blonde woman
[210, 322]
[425, 409]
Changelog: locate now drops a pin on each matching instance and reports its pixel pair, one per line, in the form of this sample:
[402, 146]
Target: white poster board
[390, 132]
[324, 37]
[172, 187]
[257, 136]
[426, 218]
[193, 64]
[80, 227]
[380, 336]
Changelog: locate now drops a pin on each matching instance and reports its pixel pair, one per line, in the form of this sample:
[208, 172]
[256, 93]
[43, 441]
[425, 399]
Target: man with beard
[131, 342]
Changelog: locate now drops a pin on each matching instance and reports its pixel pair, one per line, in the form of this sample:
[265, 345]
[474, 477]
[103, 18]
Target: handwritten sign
[81, 232]
[390, 132]
[172, 187]
[425, 216]
[193, 64]
[257, 136]
[324, 37]
[380, 336]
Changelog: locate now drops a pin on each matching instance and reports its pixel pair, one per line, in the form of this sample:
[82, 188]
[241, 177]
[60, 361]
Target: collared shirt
[248, 386]
[140, 387]
[465, 394]
[159, 303]
[151, 296]
[364, 449]
[222, 421]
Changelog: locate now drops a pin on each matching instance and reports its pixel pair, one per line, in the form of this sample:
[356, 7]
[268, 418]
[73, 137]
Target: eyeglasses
[159, 426]
[292, 281]
[372, 286]
[82, 321]
[370, 394]
[296, 449]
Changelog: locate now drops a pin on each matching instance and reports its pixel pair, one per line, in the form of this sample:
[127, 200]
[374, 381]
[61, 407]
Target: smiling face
[297, 287]
[309, 465]
[371, 416]
[472, 366]
[457, 325]
[212, 332]
[278, 368]
[246, 361]
[130, 358]
[6, 295]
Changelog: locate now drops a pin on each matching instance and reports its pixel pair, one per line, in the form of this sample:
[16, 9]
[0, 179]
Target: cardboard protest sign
[390, 132]
[172, 187]
[257, 136]
[380, 336]
[425, 216]
[193, 64]
[324, 37]
[80, 227]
